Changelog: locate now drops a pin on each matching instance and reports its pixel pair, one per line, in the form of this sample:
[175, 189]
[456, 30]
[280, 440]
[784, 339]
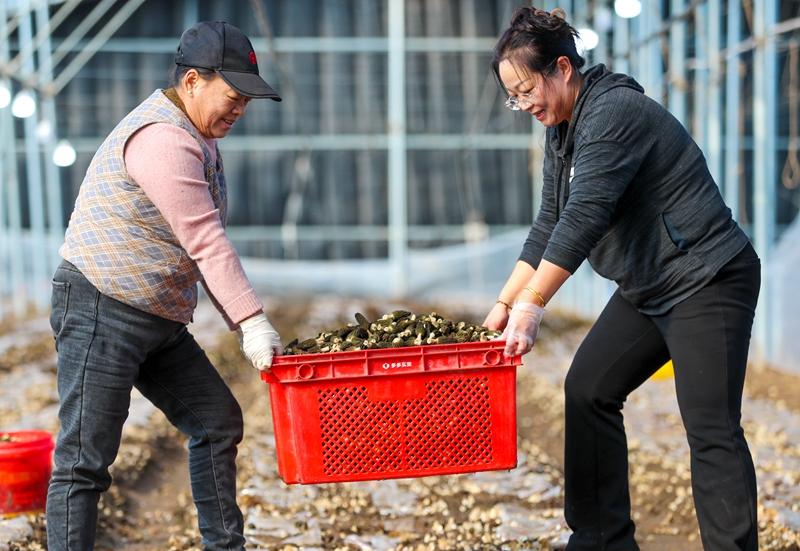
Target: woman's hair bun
[536, 38]
[533, 19]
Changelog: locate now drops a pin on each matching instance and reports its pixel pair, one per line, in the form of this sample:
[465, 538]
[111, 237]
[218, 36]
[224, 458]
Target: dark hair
[176, 73]
[535, 40]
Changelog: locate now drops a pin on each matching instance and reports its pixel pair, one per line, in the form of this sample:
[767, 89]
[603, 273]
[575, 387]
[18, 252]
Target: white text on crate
[393, 365]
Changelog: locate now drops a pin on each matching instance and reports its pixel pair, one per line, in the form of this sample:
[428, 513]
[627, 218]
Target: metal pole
[55, 217]
[771, 168]
[397, 162]
[580, 14]
[4, 278]
[714, 104]
[4, 259]
[641, 26]
[677, 64]
[764, 164]
[655, 59]
[602, 22]
[621, 40]
[732, 114]
[13, 262]
[634, 57]
[583, 280]
[39, 278]
[191, 13]
[701, 67]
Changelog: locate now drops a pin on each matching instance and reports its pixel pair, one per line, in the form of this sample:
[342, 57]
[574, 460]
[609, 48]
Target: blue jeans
[105, 348]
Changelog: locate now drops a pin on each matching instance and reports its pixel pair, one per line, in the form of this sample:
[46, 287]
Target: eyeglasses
[515, 103]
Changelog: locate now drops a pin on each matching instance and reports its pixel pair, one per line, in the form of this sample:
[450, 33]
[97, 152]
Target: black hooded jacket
[626, 187]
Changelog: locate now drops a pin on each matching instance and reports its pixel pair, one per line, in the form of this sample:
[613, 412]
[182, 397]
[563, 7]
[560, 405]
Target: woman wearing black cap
[148, 225]
[626, 187]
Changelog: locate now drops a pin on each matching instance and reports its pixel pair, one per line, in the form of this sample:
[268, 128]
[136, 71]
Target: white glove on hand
[522, 328]
[259, 341]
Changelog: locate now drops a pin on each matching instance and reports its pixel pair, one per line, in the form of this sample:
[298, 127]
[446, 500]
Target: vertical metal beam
[191, 13]
[337, 178]
[55, 218]
[764, 162]
[677, 63]
[40, 277]
[732, 113]
[4, 117]
[700, 80]
[368, 103]
[620, 45]
[583, 294]
[11, 263]
[438, 164]
[4, 264]
[601, 21]
[398, 161]
[640, 27]
[635, 56]
[714, 104]
[580, 14]
[655, 56]
[477, 110]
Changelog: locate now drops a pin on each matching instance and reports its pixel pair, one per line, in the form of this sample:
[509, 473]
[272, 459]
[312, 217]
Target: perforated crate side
[401, 426]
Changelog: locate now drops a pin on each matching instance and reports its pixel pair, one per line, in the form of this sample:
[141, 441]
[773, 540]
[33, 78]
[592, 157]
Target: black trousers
[707, 336]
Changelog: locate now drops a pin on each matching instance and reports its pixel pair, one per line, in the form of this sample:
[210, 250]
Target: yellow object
[666, 371]
[537, 295]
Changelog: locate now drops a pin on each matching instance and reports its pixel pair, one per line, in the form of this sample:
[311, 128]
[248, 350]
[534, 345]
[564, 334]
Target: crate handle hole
[305, 371]
[491, 357]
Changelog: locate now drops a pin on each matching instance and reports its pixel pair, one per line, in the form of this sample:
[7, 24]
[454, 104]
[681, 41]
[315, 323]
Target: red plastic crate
[394, 413]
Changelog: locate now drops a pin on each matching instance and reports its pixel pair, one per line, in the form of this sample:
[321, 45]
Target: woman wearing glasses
[627, 188]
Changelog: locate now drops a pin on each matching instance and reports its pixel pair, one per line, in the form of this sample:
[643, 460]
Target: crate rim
[305, 365]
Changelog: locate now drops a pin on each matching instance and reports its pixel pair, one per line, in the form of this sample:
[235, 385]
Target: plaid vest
[119, 240]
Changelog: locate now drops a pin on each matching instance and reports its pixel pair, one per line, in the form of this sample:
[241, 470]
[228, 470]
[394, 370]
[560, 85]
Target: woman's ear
[564, 67]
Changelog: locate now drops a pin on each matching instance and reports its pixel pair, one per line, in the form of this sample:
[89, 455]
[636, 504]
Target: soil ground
[153, 510]
[157, 499]
[164, 488]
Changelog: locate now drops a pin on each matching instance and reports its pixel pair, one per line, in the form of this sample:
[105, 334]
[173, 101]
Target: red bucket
[26, 461]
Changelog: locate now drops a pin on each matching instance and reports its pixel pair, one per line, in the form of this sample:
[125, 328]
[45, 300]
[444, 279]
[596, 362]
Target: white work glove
[259, 341]
[522, 328]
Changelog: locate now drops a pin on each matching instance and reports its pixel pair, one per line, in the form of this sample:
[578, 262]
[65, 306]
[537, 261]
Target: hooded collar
[596, 81]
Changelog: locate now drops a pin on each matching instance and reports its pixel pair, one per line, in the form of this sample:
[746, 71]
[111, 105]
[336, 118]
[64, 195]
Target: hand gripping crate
[394, 413]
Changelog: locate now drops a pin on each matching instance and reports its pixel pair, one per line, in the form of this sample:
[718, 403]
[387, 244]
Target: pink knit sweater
[167, 163]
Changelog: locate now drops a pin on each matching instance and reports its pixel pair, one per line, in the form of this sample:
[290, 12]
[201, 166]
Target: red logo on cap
[253, 58]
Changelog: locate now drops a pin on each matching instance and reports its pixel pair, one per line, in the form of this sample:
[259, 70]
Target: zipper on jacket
[558, 188]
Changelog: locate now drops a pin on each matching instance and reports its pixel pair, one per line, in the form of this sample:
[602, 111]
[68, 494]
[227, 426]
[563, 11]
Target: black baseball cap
[223, 48]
